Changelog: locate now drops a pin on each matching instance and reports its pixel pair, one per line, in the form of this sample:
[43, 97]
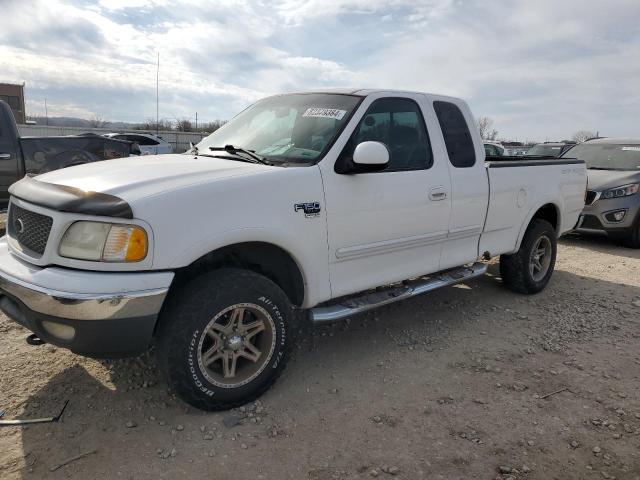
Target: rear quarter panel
[517, 193]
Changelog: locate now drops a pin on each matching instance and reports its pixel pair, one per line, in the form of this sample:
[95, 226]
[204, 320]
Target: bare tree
[583, 135]
[211, 127]
[97, 122]
[485, 125]
[150, 125]
[184, 125]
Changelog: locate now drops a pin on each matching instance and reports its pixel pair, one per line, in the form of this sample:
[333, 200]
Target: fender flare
[314, 284]
[532, 212]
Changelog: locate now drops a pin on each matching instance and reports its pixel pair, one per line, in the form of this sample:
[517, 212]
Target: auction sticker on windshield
[631, 149]
[324, 113]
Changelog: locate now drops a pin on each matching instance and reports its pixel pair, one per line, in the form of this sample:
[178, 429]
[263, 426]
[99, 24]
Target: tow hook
[34, 340]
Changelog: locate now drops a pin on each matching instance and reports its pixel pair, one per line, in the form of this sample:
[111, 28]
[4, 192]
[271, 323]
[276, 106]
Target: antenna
[46, 113]
[157, 95]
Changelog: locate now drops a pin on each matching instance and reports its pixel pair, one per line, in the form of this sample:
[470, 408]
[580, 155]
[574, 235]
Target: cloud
[301, 11]
[541, 69]
[28, 26]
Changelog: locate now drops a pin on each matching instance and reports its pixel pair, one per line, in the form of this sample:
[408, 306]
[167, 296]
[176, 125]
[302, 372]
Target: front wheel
[530, 268]
[633, 240]
[225, 338]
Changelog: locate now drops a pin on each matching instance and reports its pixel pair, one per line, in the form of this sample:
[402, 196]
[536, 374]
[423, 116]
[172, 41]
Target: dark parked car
[612, 201]
[548, 149]
[20, 156]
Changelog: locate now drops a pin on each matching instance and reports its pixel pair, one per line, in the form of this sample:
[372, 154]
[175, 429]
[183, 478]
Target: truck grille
[30, 229]
[591, 197]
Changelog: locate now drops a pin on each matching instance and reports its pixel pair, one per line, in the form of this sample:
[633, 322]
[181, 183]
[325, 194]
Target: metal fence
[178, 140]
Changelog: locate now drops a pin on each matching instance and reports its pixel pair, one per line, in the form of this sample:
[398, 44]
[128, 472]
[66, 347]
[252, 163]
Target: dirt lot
[450, 385]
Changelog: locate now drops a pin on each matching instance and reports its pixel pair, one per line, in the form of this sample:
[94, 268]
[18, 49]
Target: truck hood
[134, 178]
[604, 179]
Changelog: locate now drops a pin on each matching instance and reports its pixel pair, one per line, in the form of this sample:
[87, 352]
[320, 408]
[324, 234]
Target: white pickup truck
[325, 203]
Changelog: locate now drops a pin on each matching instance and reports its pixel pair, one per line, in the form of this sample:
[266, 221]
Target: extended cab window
[398, 123]
[456, 134]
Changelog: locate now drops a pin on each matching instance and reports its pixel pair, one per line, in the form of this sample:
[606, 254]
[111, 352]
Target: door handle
[5, 156]
[437, 193]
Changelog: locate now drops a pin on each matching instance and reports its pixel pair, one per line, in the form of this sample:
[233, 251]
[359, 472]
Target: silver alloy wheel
[236, 345]
[540, 258]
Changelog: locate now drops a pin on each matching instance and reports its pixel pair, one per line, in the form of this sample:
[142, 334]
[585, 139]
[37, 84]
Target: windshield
[295, 128]
[544, 150]
[607, 156]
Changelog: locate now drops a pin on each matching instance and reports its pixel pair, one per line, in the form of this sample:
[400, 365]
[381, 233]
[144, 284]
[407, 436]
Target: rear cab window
[457, 136]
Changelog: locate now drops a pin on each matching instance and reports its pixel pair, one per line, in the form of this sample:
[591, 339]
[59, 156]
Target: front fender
[311, 262]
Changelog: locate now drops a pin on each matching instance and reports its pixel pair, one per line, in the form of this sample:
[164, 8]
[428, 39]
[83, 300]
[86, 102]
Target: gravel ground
[449, 385]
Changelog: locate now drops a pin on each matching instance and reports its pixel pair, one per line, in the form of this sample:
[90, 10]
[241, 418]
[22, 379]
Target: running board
[368, 301]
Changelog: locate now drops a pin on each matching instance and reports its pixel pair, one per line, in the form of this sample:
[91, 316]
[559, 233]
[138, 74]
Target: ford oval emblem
[18, 225]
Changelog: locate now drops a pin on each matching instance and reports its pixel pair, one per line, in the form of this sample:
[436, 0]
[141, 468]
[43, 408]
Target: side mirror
[373, 156]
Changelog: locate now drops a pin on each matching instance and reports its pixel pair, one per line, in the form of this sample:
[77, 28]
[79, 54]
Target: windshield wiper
[233, 150]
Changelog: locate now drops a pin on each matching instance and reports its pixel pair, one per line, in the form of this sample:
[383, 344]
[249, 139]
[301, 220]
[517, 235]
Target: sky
[540, 69]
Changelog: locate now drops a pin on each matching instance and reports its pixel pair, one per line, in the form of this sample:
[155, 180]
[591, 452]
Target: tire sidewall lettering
[193, 368]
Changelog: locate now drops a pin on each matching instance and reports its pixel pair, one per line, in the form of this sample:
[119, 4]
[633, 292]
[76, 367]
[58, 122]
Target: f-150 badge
[311, 209]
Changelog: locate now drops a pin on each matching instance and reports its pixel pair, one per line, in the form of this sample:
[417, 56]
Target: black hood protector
[70, 199]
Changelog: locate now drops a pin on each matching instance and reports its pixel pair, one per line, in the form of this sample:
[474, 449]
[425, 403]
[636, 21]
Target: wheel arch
[261, 257]
[548, 211]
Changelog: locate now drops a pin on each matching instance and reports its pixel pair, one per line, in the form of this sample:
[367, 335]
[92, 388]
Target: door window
[397, 123]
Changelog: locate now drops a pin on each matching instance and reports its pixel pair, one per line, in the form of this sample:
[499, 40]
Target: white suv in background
[149, 144]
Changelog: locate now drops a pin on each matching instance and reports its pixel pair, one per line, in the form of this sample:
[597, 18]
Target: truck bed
[557, 181]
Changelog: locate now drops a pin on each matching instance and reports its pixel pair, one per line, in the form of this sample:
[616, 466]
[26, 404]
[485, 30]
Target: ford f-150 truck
[305, 206]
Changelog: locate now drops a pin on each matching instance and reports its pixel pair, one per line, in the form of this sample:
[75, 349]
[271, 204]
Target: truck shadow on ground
[600, 243]
[125, 412]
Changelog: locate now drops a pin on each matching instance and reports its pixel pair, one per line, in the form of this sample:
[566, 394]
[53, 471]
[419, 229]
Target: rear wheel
[530, 268]
[225, 338]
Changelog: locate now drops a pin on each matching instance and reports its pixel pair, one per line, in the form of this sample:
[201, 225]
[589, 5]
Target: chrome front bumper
[94, 313]
[84, 306]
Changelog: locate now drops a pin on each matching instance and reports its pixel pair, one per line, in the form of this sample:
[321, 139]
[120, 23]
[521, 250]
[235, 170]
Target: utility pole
[157, 95]
[46, 113]
[196, 121]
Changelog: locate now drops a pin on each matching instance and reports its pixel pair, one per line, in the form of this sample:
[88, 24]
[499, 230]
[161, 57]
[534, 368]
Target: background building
[14, 96]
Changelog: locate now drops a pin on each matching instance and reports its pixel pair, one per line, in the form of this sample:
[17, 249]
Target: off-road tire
[514, 268]
[185, 318]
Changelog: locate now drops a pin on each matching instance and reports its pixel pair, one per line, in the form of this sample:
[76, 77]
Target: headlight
[104, 242]
[622, 191]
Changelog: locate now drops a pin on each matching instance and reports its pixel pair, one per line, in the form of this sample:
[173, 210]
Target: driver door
[390, 225]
